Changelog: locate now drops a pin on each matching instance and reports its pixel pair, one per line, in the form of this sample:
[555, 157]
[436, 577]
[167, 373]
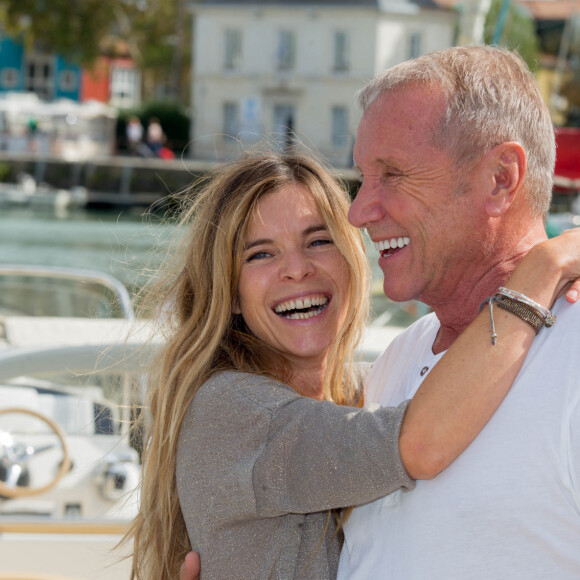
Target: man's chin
[398, 294]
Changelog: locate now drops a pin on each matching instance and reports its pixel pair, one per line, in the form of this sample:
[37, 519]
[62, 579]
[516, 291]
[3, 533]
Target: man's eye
[392, 173]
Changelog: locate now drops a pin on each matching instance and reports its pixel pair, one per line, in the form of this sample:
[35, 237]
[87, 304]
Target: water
[124, 244]
[127, 245]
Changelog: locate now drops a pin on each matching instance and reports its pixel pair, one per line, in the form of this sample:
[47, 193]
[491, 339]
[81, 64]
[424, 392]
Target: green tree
[72, 29]
[154, 33]
[518, 31]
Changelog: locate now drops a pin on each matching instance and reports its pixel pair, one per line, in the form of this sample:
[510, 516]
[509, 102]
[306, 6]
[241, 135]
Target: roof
[309, 3]
[539, 9]
[378, 4]
[551, 9]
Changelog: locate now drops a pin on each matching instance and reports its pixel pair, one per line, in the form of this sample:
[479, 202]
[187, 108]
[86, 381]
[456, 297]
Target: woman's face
[294, 282]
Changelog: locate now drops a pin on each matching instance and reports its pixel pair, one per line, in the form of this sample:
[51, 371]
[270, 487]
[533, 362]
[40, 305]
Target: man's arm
[190, 569]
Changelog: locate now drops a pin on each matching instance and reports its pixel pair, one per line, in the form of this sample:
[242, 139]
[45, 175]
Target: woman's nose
[296, 265]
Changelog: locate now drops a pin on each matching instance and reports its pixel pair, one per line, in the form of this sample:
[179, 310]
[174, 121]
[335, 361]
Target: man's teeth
[299, 309]
[391, 244]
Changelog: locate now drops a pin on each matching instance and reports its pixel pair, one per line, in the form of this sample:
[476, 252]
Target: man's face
[407, 198]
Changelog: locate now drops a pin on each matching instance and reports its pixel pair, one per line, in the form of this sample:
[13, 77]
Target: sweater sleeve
[319, 455]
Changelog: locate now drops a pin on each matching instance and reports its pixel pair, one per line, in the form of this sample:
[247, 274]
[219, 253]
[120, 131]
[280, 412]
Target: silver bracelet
[549, 319]
[523, 307]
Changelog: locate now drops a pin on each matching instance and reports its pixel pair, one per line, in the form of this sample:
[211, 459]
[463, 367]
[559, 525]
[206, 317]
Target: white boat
[72, 356]
[69, 387]
[27, 193]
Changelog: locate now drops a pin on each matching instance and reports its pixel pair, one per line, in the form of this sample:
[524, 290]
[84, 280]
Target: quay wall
[116, 180]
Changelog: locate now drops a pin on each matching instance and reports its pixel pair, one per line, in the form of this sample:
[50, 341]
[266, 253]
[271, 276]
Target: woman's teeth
[302, 308]
[391, 244]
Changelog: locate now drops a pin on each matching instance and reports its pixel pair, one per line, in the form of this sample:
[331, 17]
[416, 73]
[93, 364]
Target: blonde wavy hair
[191, 299]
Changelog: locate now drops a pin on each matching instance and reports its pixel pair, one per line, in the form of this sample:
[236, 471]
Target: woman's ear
[236, 305]
[508, 164]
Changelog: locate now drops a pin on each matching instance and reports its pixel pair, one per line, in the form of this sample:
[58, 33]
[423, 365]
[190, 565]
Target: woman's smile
[302, 308]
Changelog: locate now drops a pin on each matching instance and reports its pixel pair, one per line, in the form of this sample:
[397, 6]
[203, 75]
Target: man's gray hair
[492, 97]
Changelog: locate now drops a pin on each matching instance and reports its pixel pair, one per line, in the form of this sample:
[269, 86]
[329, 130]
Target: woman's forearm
[466, 387]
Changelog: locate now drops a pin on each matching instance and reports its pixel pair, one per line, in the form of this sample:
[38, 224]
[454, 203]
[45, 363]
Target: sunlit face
[424, 231]
[294, 283]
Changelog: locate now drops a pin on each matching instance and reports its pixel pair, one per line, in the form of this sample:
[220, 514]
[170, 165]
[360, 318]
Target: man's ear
[508, 165]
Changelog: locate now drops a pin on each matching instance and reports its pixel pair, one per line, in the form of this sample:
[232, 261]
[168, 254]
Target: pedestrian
[155, 136]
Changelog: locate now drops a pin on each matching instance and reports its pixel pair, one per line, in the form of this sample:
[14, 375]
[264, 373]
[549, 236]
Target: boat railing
[120, 295]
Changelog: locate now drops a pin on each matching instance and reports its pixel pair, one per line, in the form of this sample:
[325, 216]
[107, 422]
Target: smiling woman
[256, 429]
[294, 284]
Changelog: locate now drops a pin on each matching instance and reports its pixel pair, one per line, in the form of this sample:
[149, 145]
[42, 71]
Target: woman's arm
[467, 385]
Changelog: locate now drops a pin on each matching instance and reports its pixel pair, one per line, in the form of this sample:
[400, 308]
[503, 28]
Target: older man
[456, 150]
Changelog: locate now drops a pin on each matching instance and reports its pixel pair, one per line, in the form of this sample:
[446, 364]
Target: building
[113, 80]
[290, 69]
[48, 76]
[558, 29]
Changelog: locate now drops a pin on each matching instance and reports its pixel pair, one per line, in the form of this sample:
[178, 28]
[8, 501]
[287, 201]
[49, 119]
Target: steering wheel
[16, 456]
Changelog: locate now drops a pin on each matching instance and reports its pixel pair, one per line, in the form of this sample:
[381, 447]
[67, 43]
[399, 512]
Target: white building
[276, 68]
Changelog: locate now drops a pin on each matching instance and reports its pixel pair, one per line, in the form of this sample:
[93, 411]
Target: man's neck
[457, 312]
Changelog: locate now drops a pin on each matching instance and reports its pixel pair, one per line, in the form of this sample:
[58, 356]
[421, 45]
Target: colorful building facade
[49, 76]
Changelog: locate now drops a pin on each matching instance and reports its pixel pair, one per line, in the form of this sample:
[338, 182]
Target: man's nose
[366, 208]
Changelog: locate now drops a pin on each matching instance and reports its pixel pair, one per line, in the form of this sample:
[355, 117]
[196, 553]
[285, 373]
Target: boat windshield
[43, 291]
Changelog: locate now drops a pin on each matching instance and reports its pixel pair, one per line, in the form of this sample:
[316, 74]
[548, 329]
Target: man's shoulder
[421, 330]
[567, 321]
[391, 370]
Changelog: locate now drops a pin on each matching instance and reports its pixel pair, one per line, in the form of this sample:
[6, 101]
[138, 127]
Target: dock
[117, 181]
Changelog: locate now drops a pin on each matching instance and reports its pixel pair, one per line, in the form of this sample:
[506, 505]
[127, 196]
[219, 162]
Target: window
[286, 50]
[415, 45]
[340, 137]
[233, 49]
[67, 81]
[124, 86]
[9, 78]
[341, 51]
[284, 118]
[231, 120]
[39, 76]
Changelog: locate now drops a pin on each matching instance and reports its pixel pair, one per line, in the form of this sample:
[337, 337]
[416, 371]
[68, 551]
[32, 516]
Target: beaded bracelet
[519, 304]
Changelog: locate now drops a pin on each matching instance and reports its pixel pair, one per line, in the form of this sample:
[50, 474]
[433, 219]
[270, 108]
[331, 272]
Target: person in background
[32, 134]
[134, 131]
[255, 434]
[155, 137]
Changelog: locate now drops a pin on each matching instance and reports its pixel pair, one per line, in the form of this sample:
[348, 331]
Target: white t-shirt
[509, 506]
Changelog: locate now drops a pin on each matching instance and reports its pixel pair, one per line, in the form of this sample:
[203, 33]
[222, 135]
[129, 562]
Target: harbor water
[125, 244]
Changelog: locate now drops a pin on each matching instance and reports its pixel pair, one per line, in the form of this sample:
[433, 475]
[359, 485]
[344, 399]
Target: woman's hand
[559, 256]
[191, 567]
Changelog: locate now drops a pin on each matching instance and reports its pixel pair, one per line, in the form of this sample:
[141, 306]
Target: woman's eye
[258, 256]
[321, 242]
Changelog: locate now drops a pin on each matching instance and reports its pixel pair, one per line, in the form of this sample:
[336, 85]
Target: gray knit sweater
[258, 465]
